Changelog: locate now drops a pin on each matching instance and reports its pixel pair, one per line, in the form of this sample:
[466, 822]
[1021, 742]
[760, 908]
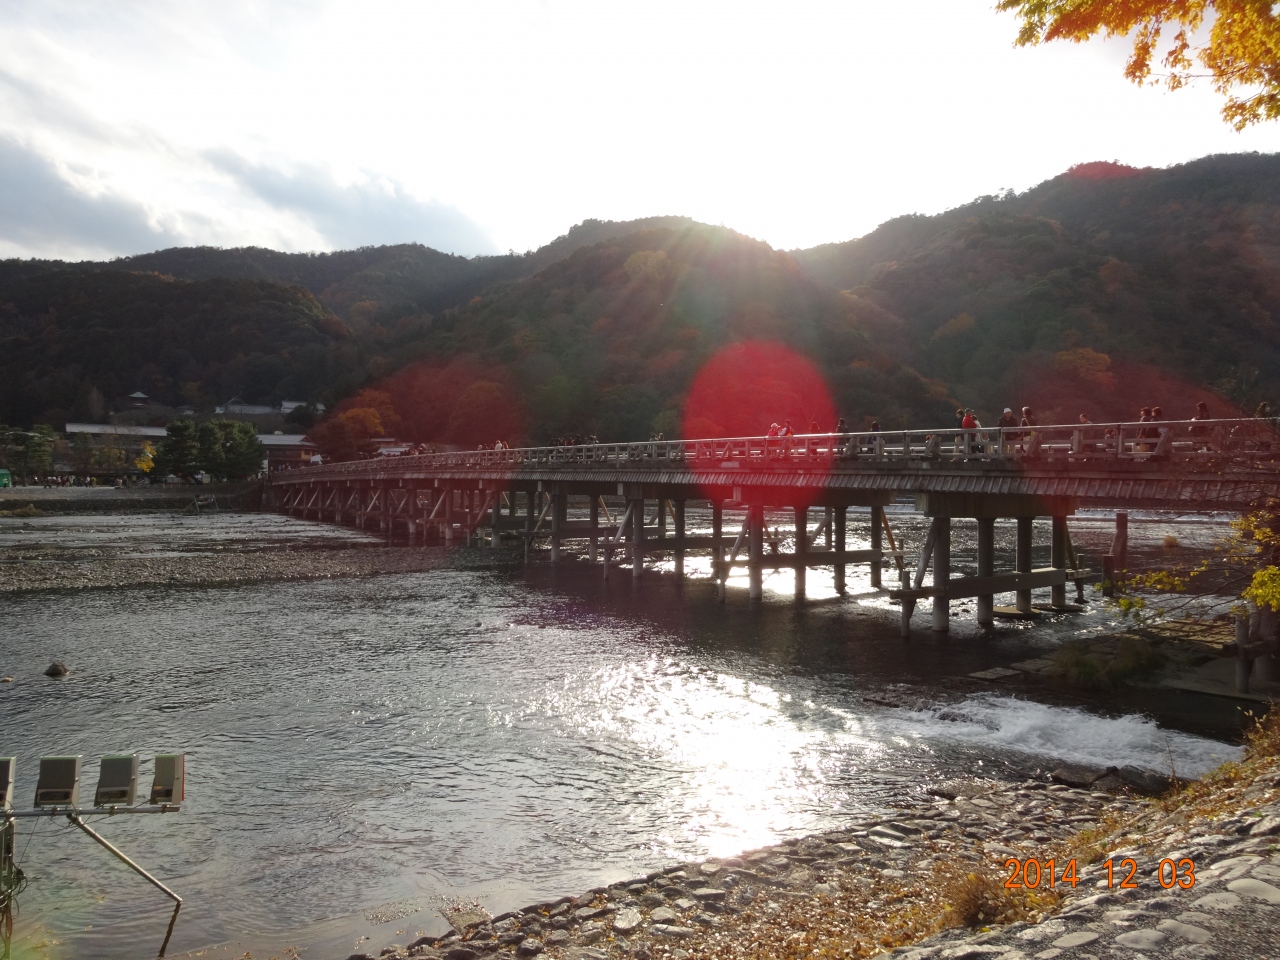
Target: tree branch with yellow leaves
[1241, 53]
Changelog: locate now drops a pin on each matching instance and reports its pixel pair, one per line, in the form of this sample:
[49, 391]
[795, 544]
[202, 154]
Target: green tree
[209, 443]
[179, 452]
[37, 450]
[242, 451]
[1241, 52]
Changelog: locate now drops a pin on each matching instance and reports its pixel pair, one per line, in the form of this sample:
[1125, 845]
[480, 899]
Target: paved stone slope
[744, 905]
[891, 880]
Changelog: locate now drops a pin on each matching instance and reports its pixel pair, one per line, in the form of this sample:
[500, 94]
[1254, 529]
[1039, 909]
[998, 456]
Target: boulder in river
[1144, 781]
[1078, 775]
[57, 669]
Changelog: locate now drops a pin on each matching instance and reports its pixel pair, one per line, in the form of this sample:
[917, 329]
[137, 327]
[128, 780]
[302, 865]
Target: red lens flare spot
[747, 387]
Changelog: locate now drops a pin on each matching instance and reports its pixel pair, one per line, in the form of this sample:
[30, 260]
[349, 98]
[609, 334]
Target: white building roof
[285, 440]
[117, 430]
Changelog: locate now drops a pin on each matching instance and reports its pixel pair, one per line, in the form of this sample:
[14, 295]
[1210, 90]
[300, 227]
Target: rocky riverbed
[78, 551]
[930, 881]
[211, 569]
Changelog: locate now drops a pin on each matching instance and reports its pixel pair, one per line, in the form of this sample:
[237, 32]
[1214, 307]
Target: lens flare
[747, 387]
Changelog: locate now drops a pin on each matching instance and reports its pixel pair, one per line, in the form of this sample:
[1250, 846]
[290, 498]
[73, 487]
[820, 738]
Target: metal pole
[73, 818]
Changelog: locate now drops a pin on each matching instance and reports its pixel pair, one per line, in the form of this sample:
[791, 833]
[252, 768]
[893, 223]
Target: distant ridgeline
[1097, 292]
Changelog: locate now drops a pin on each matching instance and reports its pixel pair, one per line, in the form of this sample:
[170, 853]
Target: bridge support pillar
[559, 505]
[755, 551]
[385, 521]
[941, 573]
[495, 535]
[877, 544]
[828, 535]
[1120, 543]
[662, 519]
[530, 519]
[838, 518]
[1058, 560]
[447, 493]
[986, 568]
[1022, 560]
[679, 534]
[594, 533]
[717, 546]
[637, 539]
[802, 549]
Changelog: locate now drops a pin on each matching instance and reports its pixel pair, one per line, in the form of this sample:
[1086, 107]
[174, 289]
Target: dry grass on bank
[979, 898]
[30, 510]
[1219, 792]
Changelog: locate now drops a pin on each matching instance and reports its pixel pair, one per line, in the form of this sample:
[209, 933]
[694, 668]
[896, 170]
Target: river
[358, 749]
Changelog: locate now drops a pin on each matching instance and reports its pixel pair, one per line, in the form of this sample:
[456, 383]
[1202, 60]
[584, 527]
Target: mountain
[1099, 291]
[378, 284]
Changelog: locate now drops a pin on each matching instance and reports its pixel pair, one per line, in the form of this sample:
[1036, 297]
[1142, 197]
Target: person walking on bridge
[1007, 420]
[968, 423]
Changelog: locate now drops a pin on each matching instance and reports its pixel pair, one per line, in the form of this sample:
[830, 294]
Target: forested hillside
[73, 341]
[607, 342]
[1099, 291]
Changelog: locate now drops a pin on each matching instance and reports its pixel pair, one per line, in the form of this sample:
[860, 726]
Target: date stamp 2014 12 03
[1035, 874]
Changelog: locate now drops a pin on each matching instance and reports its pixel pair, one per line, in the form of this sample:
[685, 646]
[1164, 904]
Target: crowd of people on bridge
[969, 433]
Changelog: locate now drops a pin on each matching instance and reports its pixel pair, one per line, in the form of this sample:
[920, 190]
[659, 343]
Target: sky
[479, 127]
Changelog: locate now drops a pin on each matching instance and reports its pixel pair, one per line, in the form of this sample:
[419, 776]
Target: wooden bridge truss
[631, 491]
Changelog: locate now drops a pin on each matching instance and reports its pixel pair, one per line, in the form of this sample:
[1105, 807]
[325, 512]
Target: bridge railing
[1187, 440]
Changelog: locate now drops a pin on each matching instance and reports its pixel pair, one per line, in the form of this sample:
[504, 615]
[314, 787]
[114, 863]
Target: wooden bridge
[523, 495]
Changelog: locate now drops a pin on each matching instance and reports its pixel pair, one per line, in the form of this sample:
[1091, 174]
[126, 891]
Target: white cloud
[43, 213]
[369, 211]
[305, 126]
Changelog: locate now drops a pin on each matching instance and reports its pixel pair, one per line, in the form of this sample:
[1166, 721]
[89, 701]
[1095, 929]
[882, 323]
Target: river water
[359, 749]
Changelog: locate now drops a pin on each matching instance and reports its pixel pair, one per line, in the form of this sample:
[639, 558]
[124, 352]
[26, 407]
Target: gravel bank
[144, 498]
[928, 884]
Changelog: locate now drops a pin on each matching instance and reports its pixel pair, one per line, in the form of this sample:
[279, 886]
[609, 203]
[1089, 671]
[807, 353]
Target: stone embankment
[928, 883]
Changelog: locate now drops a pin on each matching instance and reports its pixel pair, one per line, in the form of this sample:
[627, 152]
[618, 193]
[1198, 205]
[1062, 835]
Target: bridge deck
[1222, 464]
